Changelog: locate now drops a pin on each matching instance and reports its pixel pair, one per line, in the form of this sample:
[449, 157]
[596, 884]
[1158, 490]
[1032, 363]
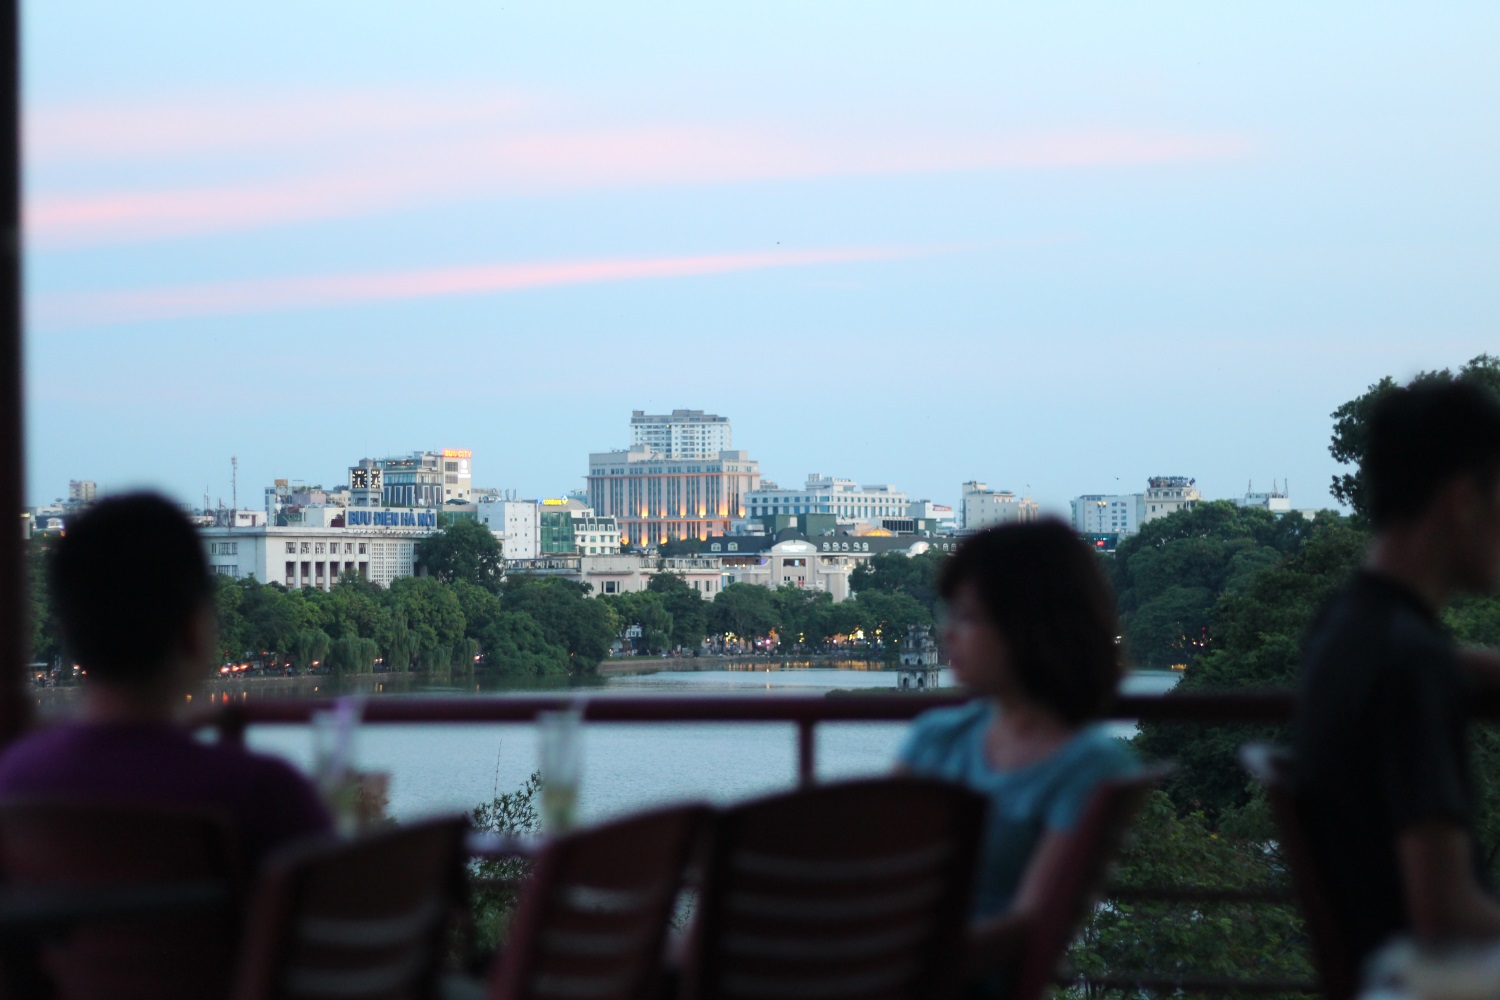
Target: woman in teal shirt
[1031, 630]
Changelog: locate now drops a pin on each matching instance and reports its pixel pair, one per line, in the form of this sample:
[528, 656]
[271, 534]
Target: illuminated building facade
[655, 498]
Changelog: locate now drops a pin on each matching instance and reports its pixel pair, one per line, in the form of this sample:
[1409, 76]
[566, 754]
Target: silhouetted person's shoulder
[268, 802]
[1379, 743]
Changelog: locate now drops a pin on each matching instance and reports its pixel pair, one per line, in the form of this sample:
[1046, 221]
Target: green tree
[462, 657]
[1257, 635]
[514, 645]
[1170, 576]
[399, 645]
[44, 644]
[493, 901]
[1351, 423]
[585, 628]
[273, 616]
[743, 610]
[688, 608]
[480, 607]
[352, 654]
[886, 617]
[431, 611]
[310, 648]
[648, 612]
[353, 607]
[895, 573]
[227, 598]
[1216, 939]
[803, 617]
[464, 550]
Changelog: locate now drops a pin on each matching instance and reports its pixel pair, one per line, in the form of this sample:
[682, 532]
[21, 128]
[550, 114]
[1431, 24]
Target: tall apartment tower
[679, 479]
[983, 507]
[681, 433]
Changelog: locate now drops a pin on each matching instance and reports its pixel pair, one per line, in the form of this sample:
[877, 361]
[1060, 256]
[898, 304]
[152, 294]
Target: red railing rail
[805, 712]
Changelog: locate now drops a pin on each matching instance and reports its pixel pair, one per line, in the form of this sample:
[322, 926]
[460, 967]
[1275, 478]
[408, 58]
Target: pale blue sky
[1059, 248]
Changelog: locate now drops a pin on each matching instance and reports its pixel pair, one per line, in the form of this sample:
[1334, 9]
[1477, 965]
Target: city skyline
[1059, 251]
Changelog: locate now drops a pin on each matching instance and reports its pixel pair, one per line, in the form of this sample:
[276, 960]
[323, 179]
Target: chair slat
[362, 918]
[384, 932]
[862, 946]
[592, 922]
[812, 909]
[594, 945]
[839, 891]
[889, 981]
[833, 870]
[394, 977]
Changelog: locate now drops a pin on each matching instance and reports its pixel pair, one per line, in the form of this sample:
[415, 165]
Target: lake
[456, 766]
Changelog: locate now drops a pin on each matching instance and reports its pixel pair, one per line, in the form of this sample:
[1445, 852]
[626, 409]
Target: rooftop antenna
[234, 488]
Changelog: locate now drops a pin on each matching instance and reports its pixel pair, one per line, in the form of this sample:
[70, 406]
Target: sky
[1055, 248]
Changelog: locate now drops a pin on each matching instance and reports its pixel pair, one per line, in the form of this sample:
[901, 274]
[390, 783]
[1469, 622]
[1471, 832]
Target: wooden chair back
[1272, 768]
[102, 845]
[1092, 848]
[366, 918]
[852, 890]
[592, 920]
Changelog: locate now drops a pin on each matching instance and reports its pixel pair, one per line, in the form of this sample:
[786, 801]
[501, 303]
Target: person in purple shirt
[134, 600]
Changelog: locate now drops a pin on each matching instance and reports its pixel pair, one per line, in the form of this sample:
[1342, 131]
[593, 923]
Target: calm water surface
[456, 766]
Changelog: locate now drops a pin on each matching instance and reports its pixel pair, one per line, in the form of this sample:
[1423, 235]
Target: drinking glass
[560, 760]
[333, 761]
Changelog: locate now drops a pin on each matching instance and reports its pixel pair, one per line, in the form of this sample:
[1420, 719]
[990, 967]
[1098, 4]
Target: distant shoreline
[624, 666]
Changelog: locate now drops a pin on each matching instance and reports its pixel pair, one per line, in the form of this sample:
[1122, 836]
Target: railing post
[15, 612]
[807, 751]
[231, 725]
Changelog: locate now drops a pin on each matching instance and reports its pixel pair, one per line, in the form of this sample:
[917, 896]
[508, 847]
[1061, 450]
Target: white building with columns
[373, 543]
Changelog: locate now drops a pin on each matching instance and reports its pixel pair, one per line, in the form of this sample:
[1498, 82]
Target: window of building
[307, 547]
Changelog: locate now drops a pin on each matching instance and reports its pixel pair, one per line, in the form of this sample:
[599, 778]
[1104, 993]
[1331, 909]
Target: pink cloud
[391, 155]
[55, 311]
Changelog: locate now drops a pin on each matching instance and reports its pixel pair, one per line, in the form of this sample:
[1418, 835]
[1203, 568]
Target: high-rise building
[984, 507]
[1107, 514]
[656, 495]
[82, 491]
[681, 433]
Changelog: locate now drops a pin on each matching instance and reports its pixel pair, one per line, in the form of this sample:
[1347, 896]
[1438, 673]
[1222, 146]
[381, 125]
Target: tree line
[1231, 595]
[463, 613]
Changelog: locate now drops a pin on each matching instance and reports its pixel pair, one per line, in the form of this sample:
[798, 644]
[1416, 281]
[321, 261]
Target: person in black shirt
[1382, 767]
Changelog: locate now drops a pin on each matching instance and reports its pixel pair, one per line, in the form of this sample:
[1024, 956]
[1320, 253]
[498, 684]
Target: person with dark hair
[135, 605]
[1031, 630]
[1382, 770]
